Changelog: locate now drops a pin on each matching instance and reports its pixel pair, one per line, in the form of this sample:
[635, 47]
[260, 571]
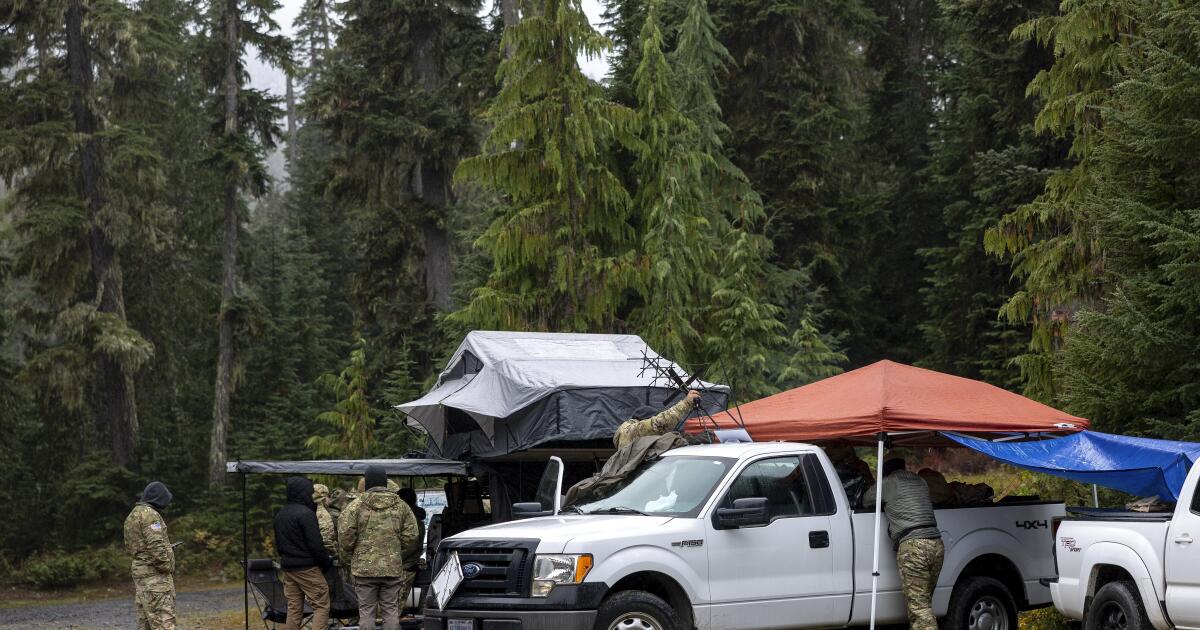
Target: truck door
[1183, 558]
[795, 572]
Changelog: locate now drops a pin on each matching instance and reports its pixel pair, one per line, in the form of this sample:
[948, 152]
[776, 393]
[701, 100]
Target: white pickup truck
[1131, 570]
[726, 537]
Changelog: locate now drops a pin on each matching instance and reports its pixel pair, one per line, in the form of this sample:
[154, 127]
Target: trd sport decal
[688, 543]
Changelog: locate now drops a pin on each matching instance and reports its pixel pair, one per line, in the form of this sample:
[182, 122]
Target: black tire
[637, 610]
[1116, 606]
[981, 603]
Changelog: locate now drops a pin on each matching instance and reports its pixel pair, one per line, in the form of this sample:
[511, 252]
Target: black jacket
[297, 535]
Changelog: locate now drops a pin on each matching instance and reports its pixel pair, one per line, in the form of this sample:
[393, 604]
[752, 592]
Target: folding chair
[263, 575]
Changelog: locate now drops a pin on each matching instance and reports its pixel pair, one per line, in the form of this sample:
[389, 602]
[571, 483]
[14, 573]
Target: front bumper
[567, 608]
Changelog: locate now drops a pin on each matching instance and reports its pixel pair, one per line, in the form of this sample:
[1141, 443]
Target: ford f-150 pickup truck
[1131, 570]
[730, 537]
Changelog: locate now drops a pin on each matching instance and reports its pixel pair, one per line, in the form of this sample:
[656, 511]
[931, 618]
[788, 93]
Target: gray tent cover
[395, 467]
[507, 391]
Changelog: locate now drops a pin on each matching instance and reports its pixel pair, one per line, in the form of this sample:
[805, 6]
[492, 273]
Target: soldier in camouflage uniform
[646, 422]
[325, 519]
[153, 565]
[375, 532]
[919, 548]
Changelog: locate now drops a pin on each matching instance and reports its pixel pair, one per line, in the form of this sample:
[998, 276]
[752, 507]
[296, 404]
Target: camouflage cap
[320, 493]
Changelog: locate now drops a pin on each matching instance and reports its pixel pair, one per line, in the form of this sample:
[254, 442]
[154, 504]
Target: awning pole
[878, 522]
[245, 559]
[1095, 496]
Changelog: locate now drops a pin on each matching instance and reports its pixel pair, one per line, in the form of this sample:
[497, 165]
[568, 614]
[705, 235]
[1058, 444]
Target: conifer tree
[675, 243]
[796, 116]
[1129, 361]
[84, 177]
[563, 249]
[986, 161]
[1049, 241]
[247, 127]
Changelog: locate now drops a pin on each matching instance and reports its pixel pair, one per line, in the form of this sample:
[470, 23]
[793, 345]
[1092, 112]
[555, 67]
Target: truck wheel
[981, 603]
[1116, 606]
[637, 610]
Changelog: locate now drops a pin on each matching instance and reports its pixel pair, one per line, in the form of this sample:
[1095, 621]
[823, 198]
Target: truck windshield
[671, 486]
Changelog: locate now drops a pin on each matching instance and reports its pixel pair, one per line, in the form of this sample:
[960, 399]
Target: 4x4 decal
[1033, 524]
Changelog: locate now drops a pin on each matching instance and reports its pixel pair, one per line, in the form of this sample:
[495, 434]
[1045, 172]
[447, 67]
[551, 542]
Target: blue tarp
[1140, 466]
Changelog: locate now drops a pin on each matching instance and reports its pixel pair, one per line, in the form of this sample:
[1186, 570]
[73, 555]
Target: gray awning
[394, 467]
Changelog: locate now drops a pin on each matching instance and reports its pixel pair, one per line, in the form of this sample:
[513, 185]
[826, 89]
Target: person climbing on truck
[648, 421]
[918, 542]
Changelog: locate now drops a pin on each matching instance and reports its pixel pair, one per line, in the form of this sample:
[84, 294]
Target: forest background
[775, 189]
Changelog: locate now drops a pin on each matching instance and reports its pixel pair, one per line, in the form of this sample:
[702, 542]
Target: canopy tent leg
[245, 558]
[1095, 496]
[878, 522]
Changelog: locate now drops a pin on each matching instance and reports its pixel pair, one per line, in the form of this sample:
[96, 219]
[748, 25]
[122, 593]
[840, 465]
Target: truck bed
[1112, 514]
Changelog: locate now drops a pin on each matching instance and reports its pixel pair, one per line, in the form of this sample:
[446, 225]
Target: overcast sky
[263, 76]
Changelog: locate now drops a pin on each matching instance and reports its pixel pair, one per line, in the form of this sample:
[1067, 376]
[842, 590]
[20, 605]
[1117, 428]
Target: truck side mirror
[752, 512]
[529, 510]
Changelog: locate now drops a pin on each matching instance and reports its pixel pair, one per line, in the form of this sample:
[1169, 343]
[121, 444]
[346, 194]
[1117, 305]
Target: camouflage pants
[920, 562]
[154, 598]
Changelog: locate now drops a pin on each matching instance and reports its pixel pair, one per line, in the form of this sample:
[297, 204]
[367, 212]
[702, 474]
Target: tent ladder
[245, 558]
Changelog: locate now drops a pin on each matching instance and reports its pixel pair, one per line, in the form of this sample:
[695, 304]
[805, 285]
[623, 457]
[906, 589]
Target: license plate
[460, 624]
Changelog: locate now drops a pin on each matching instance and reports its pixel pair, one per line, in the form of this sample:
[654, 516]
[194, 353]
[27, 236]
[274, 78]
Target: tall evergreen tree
[795, 109]
[1129, 363]
[986, 161]
[1050, 241]
[62, 103]
[247, 127]
[904, 48]
[563, 249]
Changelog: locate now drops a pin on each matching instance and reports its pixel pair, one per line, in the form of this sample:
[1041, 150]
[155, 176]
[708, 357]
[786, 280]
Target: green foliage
[1129, 363]
[1050, 241]
[562, 249]
[986, 162]
[57, 569]
[352, 418]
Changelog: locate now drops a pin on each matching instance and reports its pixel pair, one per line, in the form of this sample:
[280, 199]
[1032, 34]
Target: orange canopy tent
[892, 402]
[888, 401]
[910, 404]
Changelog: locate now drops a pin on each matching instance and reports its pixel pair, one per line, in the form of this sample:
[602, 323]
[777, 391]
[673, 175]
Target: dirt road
[211, 609]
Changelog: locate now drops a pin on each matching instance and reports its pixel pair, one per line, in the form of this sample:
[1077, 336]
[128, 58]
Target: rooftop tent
[909, 403]
[508, 391]
[1140, 466]
[394, 467]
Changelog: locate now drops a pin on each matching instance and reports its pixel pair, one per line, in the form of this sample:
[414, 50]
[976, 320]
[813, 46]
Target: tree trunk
[431, 183]
[291, 121]
[117, 407]
[228, 314]
[510, 14]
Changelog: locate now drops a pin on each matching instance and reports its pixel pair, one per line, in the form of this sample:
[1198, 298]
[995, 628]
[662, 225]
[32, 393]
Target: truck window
[1196, 501]
[779, 480]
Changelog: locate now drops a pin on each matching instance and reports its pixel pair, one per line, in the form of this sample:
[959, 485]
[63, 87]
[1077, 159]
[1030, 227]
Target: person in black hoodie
[302, 555]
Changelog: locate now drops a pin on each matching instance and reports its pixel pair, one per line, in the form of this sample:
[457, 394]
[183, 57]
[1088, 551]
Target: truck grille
[506, 566]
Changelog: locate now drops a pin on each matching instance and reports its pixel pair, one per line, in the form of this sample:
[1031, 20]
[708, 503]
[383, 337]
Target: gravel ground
[201, 610]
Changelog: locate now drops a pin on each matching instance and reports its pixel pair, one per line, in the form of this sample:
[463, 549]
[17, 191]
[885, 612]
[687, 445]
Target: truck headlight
[552, 569]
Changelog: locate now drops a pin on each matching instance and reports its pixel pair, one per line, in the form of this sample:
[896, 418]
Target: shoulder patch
[156, 526]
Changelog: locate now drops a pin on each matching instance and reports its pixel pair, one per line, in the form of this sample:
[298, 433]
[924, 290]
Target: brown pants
[382, 593]
[306, 583]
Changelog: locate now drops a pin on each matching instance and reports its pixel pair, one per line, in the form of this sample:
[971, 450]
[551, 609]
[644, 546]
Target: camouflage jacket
[328, 529]
[378, 532]
[664, 422]
[147, 543]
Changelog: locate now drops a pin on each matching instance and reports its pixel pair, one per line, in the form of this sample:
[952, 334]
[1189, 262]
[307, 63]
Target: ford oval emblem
[471, 570]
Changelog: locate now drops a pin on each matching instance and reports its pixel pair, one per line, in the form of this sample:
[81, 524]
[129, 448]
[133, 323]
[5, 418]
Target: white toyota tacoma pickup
[1131, 570]
[726, 537]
